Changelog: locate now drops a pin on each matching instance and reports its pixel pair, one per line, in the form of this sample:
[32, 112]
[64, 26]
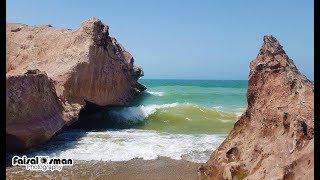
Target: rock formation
[85, 64]
[274, 138]
[33, 110]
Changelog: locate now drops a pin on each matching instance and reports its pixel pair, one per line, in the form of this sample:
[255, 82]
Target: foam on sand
[123, 145]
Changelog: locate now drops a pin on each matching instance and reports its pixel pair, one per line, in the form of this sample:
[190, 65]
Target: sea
[178, 119]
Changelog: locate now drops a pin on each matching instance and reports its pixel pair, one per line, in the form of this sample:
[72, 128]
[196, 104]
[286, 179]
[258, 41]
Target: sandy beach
[161, 168]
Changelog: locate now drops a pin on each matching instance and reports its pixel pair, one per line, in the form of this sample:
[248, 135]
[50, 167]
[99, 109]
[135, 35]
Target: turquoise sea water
[187, 106]
[180, 119]
[229, 94]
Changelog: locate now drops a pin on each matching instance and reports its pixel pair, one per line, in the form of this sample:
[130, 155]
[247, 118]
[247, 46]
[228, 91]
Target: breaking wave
[176, 117]
[155, 93]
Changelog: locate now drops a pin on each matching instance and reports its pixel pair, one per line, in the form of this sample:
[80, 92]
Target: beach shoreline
[160, 168]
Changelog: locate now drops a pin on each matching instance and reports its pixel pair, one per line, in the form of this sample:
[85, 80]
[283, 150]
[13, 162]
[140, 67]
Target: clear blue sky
[207, 39]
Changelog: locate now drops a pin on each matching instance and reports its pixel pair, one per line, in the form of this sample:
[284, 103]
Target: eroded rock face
[274, 138]
[85, 64]
[33, 110]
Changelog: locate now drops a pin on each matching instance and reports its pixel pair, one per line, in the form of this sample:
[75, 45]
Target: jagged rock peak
[271, 57]
[94, 25]
[271, 44]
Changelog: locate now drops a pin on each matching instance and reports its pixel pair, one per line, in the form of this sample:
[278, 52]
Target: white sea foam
[239, 114]
[155, 93]
[123, 145]
[139, 112]
[217, 107]
[241, 111]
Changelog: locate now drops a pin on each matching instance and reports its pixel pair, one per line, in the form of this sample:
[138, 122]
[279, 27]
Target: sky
[187, 39]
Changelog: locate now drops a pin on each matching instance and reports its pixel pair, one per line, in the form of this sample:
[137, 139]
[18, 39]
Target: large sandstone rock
[85, 65]
[34, 112]
[274, 138]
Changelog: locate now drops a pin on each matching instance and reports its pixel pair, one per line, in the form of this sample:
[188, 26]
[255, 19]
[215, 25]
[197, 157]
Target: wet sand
[161, 168]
